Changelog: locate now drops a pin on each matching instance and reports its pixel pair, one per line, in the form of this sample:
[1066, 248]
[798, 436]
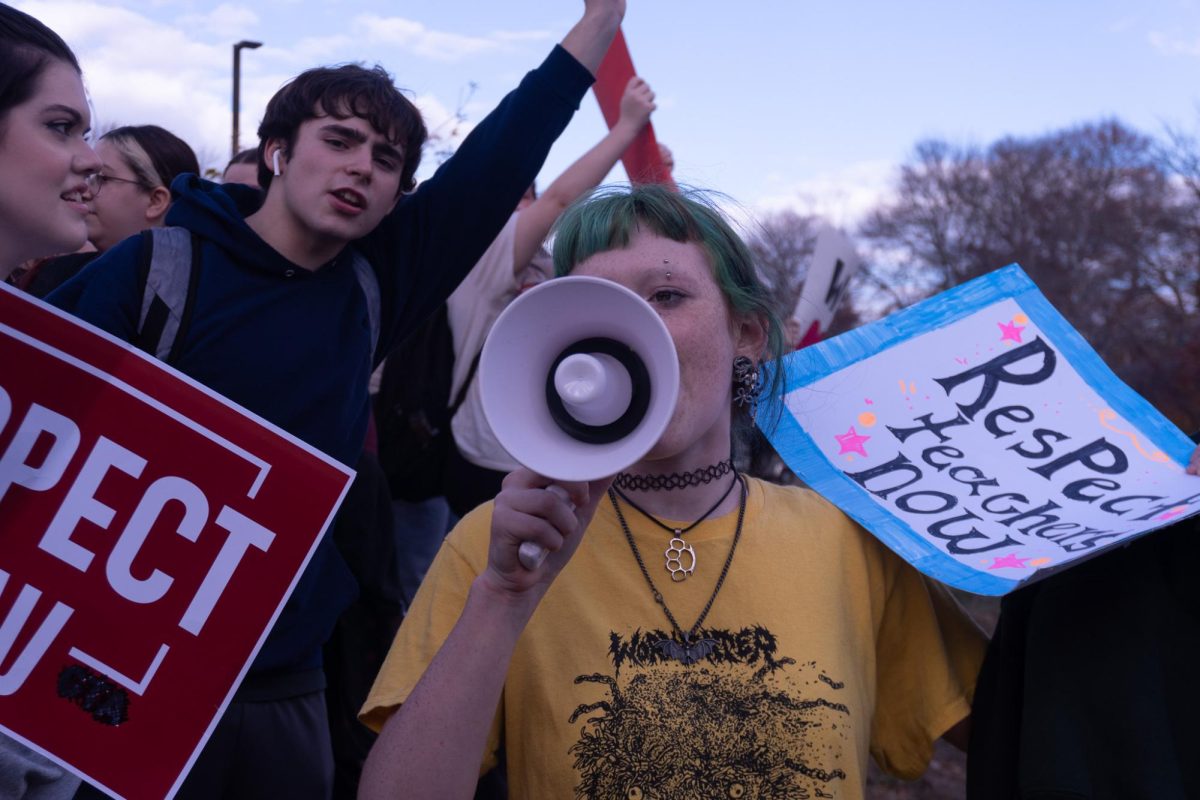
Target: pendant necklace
[681, 647]
[680, 557]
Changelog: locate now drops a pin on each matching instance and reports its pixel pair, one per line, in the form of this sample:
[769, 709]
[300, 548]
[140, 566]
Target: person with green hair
[693, 632]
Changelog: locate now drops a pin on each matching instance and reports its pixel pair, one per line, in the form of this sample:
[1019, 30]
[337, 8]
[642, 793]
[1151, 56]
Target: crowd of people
[793, 650]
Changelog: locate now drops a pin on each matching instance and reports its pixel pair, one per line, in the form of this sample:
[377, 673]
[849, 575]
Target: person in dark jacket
[280, 322]
[1088, 690]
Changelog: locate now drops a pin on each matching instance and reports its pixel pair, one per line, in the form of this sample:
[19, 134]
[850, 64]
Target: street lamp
[237, 86]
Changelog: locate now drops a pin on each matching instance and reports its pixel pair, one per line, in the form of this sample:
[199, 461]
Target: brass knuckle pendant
[677, 551]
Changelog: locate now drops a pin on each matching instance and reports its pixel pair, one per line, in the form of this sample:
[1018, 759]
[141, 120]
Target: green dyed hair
[609, 217]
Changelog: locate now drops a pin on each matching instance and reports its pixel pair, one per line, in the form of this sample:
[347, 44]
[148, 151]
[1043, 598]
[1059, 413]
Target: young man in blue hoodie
[280, 323]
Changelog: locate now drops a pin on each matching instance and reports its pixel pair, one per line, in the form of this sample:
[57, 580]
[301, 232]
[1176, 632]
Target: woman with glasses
[130, 193]
[133, 189]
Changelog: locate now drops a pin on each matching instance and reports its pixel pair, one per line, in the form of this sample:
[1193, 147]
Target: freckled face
[706, 336]
[44, 161]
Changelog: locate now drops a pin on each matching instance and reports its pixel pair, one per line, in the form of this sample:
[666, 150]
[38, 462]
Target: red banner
[151, 532]
[643, 162]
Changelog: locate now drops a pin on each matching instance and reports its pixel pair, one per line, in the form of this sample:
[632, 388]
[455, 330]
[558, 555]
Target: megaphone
[578, 379]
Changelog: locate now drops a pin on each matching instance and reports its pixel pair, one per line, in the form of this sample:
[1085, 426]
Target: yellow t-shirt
[824, 647]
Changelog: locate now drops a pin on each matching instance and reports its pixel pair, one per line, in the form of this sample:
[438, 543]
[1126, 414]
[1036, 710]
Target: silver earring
[747, 384]
[275, 162]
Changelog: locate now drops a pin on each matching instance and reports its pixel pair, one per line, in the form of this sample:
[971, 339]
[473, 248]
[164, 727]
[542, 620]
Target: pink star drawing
[1010, 331]
[851, 442]
[1009, 560]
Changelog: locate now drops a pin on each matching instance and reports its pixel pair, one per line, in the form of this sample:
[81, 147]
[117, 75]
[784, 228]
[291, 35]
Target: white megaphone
[578, 379]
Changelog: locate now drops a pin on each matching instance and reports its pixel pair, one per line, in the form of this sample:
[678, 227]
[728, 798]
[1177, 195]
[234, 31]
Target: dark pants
[420, 528]
[468, 485]
[365, 536]
[276, 748]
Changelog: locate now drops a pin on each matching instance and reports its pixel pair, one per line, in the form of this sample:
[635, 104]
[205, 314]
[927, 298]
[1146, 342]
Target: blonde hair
[154, 155]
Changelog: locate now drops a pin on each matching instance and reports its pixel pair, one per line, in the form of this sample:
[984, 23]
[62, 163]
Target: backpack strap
[462, 393]
[370, 289]
[167, 273]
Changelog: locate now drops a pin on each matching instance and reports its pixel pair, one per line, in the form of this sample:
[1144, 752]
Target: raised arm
[533, 223]
[423, 249]
[433, 745]
[588, 41]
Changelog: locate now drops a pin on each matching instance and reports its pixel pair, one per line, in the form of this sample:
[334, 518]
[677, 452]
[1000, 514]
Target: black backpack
[413, 409]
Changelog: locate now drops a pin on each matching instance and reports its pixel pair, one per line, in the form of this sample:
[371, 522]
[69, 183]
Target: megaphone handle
[530, 554]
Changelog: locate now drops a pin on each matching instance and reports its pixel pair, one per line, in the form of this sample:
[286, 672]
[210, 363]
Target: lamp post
[237, 87]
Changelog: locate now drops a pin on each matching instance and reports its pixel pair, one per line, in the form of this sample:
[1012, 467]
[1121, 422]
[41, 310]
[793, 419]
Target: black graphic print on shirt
[741, 723]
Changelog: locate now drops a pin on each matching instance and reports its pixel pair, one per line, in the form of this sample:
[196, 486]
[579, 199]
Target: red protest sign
[642, 159]
[151, 532]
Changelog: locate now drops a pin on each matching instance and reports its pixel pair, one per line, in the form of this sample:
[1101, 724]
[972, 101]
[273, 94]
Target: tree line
[1105, 219]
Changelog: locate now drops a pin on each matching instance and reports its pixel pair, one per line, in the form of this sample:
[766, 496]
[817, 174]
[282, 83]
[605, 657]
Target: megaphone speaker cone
[594, 388]
[578, 378]
[611, 414]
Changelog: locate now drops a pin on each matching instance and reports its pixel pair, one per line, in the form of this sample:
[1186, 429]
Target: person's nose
[86, 162]
[362, 165]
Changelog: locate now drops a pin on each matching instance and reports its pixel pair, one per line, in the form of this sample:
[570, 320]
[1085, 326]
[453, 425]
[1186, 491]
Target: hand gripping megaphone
[578, 379]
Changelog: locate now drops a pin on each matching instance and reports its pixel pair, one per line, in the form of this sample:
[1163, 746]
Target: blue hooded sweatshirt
[294, 345]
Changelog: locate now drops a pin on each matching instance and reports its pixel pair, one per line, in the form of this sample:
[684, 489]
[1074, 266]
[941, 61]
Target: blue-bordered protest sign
[980, 437]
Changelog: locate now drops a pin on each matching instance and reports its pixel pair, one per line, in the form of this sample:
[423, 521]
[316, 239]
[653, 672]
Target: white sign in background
[833, 264]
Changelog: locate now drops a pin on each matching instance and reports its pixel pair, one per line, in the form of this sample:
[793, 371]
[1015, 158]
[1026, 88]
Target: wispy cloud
[228, 21]
[177, 73]
[417, 38]
[523, 36]
[1174, 45]
[843, 197]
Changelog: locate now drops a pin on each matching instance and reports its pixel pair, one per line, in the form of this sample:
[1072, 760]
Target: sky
[775, 103]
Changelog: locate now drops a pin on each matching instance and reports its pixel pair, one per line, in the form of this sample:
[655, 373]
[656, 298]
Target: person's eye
[666, 297]
[63, 127]
[387, 164]
[336, 144]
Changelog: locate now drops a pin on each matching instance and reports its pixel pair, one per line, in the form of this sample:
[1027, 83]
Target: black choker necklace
[677, 548]
[675, 480]
[682, 648]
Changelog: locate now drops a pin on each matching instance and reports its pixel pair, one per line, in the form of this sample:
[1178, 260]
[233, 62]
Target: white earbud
[275, 161]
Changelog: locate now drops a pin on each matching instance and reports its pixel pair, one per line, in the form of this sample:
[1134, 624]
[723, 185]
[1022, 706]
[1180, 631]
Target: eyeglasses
[96, 181]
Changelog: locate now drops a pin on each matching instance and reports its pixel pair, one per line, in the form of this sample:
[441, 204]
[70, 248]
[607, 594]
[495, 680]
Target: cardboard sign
[834, 262]
[151, 532]
[642, 159]
[981, 438]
